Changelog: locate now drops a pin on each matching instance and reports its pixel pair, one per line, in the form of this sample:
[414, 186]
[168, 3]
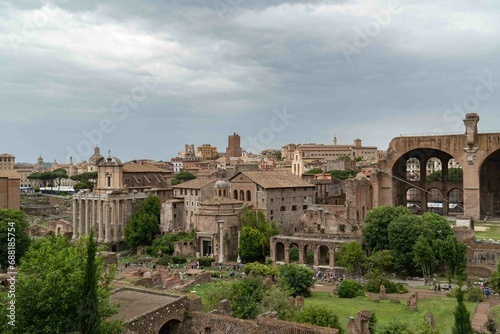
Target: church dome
[96, 156]
[221, 184]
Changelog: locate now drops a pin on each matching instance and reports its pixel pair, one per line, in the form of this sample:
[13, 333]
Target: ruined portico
[323, 248]
[478, 154]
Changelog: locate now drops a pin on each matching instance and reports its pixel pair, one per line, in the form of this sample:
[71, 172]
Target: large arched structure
[478, 154]
[323, 250]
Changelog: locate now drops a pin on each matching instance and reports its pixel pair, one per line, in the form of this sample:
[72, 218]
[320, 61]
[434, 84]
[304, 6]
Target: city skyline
[144, 78]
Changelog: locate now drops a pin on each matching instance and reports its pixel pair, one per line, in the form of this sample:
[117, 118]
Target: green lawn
[442, 308]
[492, 232]
[495, 313]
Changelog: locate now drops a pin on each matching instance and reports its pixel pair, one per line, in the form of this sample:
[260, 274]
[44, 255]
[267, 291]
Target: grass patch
[441, 307]
[492, 231]
[495, 313]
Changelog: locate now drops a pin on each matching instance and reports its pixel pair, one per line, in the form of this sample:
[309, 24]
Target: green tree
[424, 257]
[60, 174]
[90, 323]
[375, 232]
[350, 289]
[247, 296]
[315, 171]
[85, 180]
[352, 257]
[144, 223]
[13, 225]
[50, 286]
[320, 316]
[454, 174]
[182, 177]
[452, 255]
[462, 323]
[495, 278]
[403, 233]
[343, 174]
[251, 239]
[252, 244]
[296, 279]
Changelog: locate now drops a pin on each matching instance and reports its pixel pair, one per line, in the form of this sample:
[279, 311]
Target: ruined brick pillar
[360, 325]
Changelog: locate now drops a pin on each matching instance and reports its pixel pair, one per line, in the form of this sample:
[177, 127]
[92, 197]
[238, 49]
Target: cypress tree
[90, 322]
[462, 316]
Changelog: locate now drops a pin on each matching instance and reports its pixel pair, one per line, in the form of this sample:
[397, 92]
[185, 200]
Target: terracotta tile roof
[10, 173]
[138, 168]
[221, 201]
[195, 184]
[275, 179]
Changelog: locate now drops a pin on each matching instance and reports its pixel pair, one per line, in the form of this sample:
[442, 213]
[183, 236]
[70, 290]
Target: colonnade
[107, 217]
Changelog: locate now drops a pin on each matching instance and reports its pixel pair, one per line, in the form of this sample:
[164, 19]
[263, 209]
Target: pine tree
[89, 314]
[462, 316]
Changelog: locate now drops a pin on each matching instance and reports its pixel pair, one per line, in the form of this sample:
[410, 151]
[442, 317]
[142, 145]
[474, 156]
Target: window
[294, 208]
[242, 195]
[304, 207]
[272, 211]
[272, 200]
[175, 215]
[283, 208]
[196, 192]
[249, 196]
[236, 194]
[108, 180]
[272, 218]
[294, 189]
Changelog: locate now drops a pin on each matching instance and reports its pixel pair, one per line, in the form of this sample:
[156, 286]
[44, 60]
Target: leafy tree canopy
[454, 174]
[343, 174]
[14, 222]
[144, 223]
[50, 288]
[296, 279]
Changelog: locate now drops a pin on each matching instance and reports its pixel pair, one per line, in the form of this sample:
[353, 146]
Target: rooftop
[275, 179]
[139, 168]
[195, 184]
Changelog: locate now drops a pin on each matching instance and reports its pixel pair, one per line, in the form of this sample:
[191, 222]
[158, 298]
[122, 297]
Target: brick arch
[173, 326]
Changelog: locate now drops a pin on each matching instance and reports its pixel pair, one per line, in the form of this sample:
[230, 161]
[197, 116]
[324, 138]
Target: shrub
[319, 316]
[373, 285]
[297, 279]
[474, 295]
[206, 261]
[261, 270]
[351, 289]
[179, 259]
[165, 260]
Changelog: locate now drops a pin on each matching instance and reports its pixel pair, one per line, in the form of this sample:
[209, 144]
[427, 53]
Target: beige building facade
[282, 196]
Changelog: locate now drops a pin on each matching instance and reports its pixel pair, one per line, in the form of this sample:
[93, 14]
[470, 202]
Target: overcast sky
[143, 78]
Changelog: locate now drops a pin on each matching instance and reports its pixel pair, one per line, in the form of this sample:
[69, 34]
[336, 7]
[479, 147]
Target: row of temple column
[105, 217]
[319, 257]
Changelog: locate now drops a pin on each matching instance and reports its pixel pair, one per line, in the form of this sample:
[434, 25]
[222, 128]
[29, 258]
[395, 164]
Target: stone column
[114, 219]
[221, 241]
[106, 212]
[75, 218]
[121, 218]
[81, 217]
[332, 259]
[100, 234]
[287, 254]
[301, 255]
[316, 257]
[87, 216]
[238, 260]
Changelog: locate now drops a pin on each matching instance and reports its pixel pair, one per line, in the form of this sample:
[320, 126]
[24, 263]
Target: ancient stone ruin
[412, 302]
[360, 325]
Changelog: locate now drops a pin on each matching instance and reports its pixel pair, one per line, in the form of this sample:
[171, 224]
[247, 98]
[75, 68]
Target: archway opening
[414, 200]
[171, 327]
[309, 255]
[456, 202]
[434, 170]
[324, 256]
[280, 252]
[294, 253]
[435, 201]
[490, 185]
[413, 169]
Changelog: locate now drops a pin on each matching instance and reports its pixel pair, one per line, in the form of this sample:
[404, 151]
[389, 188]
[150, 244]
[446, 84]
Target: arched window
[236, 194]
[249, 196]
[242, 195]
